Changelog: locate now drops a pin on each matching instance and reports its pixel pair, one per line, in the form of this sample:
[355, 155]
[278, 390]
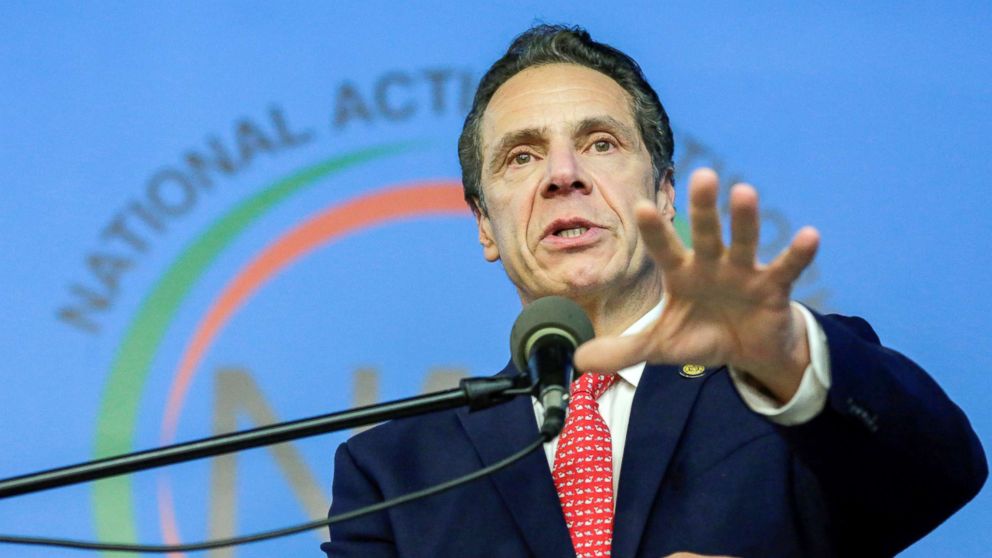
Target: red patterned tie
[583, 471]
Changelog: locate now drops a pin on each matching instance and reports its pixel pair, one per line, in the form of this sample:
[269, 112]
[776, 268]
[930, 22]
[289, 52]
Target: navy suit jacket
[888, 459]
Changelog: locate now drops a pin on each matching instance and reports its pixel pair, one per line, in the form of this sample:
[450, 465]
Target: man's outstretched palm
[720, 305]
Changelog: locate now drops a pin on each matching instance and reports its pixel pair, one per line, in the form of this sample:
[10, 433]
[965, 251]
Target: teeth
[572, 233]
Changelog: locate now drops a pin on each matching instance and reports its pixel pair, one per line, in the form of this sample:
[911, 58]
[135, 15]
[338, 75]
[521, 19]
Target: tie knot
[593, 384]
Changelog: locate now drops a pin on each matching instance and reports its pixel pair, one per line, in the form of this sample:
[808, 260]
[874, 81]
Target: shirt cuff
[811, 396]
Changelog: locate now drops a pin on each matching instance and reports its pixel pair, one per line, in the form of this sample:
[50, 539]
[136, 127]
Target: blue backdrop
[222, 214]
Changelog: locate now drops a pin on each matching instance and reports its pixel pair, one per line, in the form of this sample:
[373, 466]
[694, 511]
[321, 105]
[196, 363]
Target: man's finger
[611, 354]
[660, 236]
[703, 215]
[793, 260]
[743, 225]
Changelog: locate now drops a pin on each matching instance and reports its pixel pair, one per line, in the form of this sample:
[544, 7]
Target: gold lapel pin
[692, 370]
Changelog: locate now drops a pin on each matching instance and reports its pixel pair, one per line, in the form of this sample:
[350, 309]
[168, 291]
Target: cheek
[510, 208]
[518, 176]
[509, 223]
[621, 170]
[622, 186]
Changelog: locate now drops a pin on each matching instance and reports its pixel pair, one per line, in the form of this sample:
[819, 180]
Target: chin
[585, 281]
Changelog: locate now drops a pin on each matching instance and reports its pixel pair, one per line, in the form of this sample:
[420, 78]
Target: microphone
[542, 342]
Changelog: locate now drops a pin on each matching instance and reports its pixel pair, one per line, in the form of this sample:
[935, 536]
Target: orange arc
[413, 200]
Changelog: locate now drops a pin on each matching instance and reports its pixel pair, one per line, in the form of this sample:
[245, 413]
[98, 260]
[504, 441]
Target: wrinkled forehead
[552, 98]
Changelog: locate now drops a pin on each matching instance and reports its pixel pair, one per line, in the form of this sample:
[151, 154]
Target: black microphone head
[548, 315]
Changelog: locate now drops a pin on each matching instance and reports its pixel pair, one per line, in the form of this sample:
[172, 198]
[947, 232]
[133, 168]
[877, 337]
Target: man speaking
[715, 415]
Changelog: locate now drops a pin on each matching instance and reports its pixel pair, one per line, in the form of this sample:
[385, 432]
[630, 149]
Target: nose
[565, 174]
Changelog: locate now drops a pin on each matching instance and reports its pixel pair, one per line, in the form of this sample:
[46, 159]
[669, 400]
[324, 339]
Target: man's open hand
[721, 305]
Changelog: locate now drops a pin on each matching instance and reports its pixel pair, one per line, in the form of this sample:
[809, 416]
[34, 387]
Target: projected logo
[296, 300]
[408, 208]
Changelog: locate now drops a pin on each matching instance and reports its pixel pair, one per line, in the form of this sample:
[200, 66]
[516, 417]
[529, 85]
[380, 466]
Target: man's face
[563, 167]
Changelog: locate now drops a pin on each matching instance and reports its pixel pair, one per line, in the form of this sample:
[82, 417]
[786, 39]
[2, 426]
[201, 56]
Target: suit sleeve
[368, 536]
[892, 453]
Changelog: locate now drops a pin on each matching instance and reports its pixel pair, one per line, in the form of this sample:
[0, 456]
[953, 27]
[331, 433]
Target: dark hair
[554, 44]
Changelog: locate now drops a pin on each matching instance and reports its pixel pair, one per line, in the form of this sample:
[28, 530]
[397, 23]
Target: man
[759, 428]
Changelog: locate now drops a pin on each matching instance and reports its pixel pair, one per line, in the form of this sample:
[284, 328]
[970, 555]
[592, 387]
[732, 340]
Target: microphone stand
[477, 393]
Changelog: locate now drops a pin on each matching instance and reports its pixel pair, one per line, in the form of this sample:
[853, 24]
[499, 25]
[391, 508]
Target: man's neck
[613, 314]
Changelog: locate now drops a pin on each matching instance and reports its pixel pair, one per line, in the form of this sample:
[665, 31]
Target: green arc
[113, 506]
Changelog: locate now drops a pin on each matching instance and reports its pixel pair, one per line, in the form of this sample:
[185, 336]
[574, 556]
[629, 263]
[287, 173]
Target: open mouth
[571, 233]
[568, 228]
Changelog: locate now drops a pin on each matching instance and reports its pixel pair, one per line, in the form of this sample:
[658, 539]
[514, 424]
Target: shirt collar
[632, 374]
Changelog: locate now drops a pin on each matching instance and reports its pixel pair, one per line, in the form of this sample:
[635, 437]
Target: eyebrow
[538, 136]
[512, 139]
[606, 123]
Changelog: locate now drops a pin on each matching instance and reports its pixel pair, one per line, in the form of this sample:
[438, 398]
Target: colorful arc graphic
[415, 200]
[112, 503]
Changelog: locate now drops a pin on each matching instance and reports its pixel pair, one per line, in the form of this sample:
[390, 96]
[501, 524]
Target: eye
[521, 158]
[602, 146]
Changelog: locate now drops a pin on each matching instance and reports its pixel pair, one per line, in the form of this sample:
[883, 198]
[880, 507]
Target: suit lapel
[526, 486]
[657, 418]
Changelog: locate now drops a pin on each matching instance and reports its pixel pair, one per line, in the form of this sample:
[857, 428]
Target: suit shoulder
[409, 432]
[415, 431]
[854, 324]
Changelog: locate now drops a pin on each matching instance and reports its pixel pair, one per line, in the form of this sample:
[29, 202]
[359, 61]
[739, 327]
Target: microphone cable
[277, 533]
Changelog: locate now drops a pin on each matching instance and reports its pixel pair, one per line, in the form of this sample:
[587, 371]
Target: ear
[666, 197]
[486, 237]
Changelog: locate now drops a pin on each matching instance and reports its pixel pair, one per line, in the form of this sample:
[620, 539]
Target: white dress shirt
[807, 402]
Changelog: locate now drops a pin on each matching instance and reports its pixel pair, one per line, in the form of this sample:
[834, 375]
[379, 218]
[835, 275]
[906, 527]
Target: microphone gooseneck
[542, 343]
